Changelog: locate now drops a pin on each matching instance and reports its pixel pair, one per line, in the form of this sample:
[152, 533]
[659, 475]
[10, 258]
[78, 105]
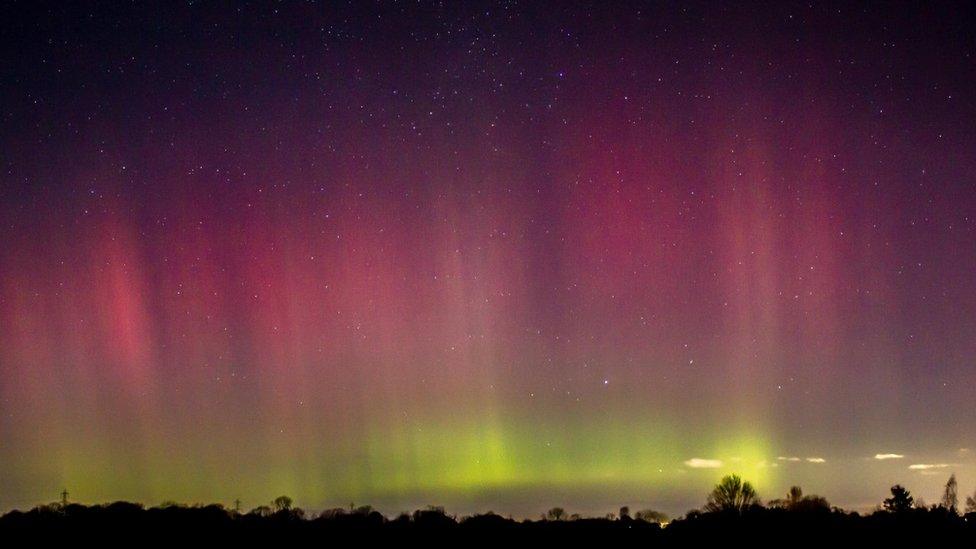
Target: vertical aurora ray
[584, 257]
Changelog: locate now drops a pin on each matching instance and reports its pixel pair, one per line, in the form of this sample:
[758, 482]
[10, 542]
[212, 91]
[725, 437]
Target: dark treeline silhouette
[732, 516]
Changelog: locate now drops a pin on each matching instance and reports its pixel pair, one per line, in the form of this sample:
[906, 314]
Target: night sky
[487, 256]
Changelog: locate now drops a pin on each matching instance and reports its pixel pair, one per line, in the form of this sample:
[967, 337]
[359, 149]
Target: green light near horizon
[456, 457]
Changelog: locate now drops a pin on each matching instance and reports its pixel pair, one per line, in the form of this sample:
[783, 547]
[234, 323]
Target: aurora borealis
[488, 256]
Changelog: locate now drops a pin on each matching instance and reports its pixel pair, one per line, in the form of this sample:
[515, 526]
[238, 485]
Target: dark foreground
[132, 525]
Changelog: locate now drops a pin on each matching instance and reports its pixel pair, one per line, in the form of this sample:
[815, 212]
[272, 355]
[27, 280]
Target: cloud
[926, 466]
[699, 463]
[795, 459]
[888, 456]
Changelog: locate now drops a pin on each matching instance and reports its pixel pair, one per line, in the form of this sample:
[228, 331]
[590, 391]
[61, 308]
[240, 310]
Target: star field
[485, 255]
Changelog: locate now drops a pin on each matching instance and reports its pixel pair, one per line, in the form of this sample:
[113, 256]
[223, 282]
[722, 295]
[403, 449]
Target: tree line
[733, 507]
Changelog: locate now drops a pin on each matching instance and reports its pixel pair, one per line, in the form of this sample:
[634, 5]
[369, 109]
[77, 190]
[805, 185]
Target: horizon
[466, 508]
[310, 511]
[489, 256]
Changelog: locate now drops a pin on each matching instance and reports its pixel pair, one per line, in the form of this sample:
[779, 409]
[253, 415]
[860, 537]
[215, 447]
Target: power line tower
[64, 497]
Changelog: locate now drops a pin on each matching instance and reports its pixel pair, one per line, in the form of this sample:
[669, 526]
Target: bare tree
[731, 494]
[556, 513]
[950, 497]
[281, 503]
[793, 498]
[650, 515]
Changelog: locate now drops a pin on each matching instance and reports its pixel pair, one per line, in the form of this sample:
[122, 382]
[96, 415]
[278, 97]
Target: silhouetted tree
[333, 513]
[971, 504]
[696, 529]
[281, 503]
[950, 497]
[796, 501]
[488, 522]
[650, 515]
[49, 508]
[901, 500]
[433, 516]
[794, 496]
[731, 494]
[556, 513]
[810, 504]
[624, 513]
[170, 504]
